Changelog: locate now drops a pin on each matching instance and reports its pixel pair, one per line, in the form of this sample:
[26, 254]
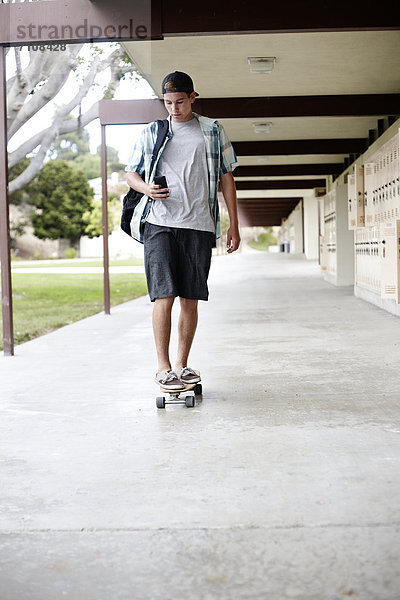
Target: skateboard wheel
[190, 401]
[198, 389]
[160, 401]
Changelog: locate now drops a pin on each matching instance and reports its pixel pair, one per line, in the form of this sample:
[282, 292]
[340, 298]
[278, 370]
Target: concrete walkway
[284, 482]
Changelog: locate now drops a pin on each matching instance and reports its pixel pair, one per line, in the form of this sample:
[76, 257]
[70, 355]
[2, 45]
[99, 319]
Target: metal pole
[106, 262]
[6, 290]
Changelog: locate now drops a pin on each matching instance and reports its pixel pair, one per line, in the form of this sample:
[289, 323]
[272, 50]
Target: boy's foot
[188, 375]
[169, 380]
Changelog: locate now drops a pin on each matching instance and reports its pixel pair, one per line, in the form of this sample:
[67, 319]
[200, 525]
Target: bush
[38, 256]
[263, 241]
[70, 253]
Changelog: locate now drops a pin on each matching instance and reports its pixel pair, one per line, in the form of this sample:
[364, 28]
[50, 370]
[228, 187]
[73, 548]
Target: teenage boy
[181, 220]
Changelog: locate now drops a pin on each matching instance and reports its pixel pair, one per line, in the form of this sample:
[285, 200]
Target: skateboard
[174, 396]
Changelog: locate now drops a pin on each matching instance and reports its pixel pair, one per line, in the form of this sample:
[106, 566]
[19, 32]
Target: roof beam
[281, 184]
[118, 112]
[266, 199]
[356, 105]
[239, 16]
[309, 146]
[152, 19]
[78, 21]
[282, 170]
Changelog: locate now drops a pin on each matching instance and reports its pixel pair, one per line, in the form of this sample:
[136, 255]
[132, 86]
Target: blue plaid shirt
[220, 155]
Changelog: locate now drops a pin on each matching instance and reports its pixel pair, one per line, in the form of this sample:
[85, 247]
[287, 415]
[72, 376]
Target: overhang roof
[324, 98]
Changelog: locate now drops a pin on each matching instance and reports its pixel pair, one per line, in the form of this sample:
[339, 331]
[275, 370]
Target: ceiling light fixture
[261, 65]
[263, 127]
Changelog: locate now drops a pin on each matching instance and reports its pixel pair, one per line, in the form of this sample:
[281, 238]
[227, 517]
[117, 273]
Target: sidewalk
[284, 482]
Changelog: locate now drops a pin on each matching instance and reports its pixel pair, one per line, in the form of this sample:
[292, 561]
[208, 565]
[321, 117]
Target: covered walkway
[284, 482]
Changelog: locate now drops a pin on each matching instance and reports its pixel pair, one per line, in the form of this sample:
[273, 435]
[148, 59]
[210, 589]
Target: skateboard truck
[174, 397]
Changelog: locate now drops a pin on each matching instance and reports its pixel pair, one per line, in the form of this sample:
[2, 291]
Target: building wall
[311, 228]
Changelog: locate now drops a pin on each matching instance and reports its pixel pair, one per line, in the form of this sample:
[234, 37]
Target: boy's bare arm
[229, 192]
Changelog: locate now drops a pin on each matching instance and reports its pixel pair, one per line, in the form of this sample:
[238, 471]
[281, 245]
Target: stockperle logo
[83, 31]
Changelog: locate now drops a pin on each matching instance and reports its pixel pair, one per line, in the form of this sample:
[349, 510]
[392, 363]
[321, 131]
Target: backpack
[132, 198]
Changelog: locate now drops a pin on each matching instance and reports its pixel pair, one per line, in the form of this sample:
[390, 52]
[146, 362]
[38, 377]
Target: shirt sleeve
[136, 160]
[227, 157]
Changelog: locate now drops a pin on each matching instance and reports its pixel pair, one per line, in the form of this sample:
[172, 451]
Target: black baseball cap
[177, 82]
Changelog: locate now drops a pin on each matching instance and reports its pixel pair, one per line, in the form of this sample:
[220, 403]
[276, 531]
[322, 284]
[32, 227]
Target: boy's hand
[232, 239]
[156, 192]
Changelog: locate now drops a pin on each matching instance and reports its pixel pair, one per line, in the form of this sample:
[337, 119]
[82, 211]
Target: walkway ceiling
[330, 95]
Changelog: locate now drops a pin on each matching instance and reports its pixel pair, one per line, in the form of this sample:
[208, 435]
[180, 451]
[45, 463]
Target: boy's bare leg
[162, 331]
[186, 329]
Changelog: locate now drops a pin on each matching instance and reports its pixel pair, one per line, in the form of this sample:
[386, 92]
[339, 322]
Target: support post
[106, 262]
[6, 289]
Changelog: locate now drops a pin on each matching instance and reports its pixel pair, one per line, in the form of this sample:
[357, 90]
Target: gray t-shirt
[184, 164]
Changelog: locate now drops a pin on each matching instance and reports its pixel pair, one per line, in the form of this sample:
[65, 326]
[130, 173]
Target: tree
[60, 196]
[35, 85]
[19, 196]
[94, 217]
[264, 240]
[90, 164]
[74, 148]
[70, 145]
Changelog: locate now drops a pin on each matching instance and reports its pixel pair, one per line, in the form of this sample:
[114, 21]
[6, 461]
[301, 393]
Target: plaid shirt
[220, 155]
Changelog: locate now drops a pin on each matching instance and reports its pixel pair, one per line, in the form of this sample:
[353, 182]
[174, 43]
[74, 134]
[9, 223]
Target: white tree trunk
[31, 89]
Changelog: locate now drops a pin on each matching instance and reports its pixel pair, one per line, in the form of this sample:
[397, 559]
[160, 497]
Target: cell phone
[161, 181]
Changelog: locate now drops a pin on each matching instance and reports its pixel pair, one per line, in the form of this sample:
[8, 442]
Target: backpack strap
[161, 135]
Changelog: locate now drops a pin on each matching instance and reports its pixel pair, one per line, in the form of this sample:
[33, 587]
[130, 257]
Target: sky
[120, 137]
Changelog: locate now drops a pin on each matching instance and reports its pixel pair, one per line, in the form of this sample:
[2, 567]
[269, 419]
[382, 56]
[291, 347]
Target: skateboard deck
[174, 396]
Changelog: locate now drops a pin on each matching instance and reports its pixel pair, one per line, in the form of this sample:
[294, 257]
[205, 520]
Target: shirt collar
[204, 121]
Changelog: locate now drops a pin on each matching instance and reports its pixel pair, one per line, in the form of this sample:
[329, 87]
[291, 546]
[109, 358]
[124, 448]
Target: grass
[43, 303]
[17, 264]
[263, 242]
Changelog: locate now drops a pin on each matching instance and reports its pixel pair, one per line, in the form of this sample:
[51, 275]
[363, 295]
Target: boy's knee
[188, 304]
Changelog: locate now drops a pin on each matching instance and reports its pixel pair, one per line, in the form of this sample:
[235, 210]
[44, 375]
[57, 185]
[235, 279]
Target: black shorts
[177, 261]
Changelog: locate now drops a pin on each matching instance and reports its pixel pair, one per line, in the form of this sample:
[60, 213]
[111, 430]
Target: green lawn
[263, 241]
[43, 303]
[32, 264]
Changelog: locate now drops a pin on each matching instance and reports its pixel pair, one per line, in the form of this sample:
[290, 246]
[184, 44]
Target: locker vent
[390, 289]
[390, 231]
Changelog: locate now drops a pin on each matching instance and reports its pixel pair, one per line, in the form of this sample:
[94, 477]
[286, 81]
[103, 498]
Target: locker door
[359, 194]
[388, 260]
[352, 207]
[323, 253]
[385, 180]
[396, 178]
[379, 188]
[391, 190]
[375, 259]
[369, 183]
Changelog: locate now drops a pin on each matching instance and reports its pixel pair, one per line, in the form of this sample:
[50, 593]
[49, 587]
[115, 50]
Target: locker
[379, 188]
[389, 252]
[369, 186]
[385, 185]
[367, 259]
[359, 194]
[330, 233]
[397, 175]
[352, 210]
[394, 184]
[323, 254]
[375, 264]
